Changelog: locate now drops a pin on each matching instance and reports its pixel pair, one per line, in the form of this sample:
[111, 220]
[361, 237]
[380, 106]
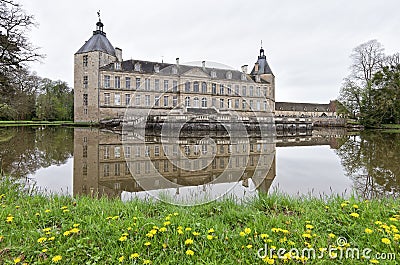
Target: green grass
[391, 126]
[37, 230]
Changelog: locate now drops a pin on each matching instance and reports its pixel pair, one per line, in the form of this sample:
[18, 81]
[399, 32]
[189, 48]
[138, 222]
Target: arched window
[204, 102]
[187, 102]
[196, 102]
[204, 87]
[196, 86]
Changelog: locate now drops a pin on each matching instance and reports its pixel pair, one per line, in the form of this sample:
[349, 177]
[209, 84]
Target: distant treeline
[371, 93]
[24, 95]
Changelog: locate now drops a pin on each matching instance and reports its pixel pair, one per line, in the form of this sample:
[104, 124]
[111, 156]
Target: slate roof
[98, 42]
[147, 67]
[292, 106]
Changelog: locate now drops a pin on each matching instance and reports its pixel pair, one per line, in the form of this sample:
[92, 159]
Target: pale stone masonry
[105, 85]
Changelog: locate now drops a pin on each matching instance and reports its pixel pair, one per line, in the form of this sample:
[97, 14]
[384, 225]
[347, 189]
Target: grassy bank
[63, 230]
[48, 123]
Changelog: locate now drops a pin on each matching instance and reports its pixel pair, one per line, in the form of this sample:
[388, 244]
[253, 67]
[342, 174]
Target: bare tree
[367, 60]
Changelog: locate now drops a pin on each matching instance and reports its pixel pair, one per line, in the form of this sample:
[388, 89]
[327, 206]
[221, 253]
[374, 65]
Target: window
[84, 169]
[137, 67]
[117, 99]
[84, 151]
[165, 85]
[117, 66]
[236, 103]
[175, 86]
[106, 98]
[213, 74]
[204, 102]
[174, 70]
[127, 151]
[196, 102]
[138, 83]
[251, 104]
[106, 152]
[117, 151]
[187, 102]
[157, 84]
[165, 101]
[106, 170]
[147, 84]
[214, 88]
[258, 105]
[156, 100]
[187, 86]
[106, 81]
[265, 105]
[244, 104]
[147, 151]
[85, 99]
[127, 82]
[229, 90]
[221, 89]
[237, 90]
[85, 111]
[196, 87]
[251, 91]
[229, 103]
[174, 101]
[221, 103]
[244, 77]
[213, 102]
[229, 75]
[127, 99]
[117, 82]
[85, 60]
[244, 91]
[204, 87]
[258, 91]
[156, 150]
[137, 100]
[147, 100]
[156, 68]
[85, 81]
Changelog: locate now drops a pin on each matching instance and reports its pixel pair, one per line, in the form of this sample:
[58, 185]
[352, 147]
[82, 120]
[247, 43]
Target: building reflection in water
[115, 164]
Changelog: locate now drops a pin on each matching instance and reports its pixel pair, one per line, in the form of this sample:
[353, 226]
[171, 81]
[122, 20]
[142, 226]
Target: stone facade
[107, 86]
[305, 110]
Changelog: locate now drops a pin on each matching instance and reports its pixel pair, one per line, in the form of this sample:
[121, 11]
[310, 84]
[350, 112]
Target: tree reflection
[371, 160]
[23, 150]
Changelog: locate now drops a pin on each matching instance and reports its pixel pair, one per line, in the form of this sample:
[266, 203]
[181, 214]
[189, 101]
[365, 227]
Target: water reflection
[367, 163]
[208, 162]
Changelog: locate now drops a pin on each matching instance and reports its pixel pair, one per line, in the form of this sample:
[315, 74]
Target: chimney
[203, 64]
[244, 68]
[118, 54]
[256, 67]
[177, 61]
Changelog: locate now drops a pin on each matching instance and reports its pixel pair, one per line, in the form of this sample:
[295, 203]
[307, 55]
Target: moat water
[201, 165]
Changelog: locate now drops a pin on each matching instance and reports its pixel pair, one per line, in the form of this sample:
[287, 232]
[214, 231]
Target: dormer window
[213, 74]
[258, 79]
[229, 75]
[244, 77]
[137, 67]
[117, 66]
[174, 70]
[156, 68]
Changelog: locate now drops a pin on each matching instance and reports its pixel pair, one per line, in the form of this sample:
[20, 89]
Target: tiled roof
[292, 106]
[98, 42]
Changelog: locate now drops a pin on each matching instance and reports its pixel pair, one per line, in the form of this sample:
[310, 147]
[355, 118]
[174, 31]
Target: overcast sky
[307, 43]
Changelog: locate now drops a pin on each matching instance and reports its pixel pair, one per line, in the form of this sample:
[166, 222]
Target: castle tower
[95, 53]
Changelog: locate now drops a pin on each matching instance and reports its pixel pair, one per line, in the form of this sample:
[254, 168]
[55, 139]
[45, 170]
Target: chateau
[105, 86]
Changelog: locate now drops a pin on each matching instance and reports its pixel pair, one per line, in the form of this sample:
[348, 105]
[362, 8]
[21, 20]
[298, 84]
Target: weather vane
[98, 14]
[261, 40]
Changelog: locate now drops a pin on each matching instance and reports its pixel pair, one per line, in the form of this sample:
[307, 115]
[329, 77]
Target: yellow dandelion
[56, 259]
[343, 204]
[368, 231]
[306, 235]
[44, 250]
[385, 241]
[188, 241]
[264, 236]
[331, 235]
[17, 260]
[309, 226]
[249, 246]
[196, 233]
[167, 223]
[247, 230]
[268, 260]
[146, 261]
[9, 219]
[46, 229]
[164, 245]
[147, 244]
[393, 219]
[134, 256]
[242, 233]
[211, 230]
[355, 215]
[37, 214]
[115, 217]
[188, 229]
[210, 237]
[162, 229]
[189, 252]
[180, 231]
[42, 239]
[67, 233]
[374, 261]
[355, 206]
[121, 259]
[378, 222]
[123, 238]
[74, 230]
[396, 237]
[176, 214]
[76, 225]
[51, 238]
